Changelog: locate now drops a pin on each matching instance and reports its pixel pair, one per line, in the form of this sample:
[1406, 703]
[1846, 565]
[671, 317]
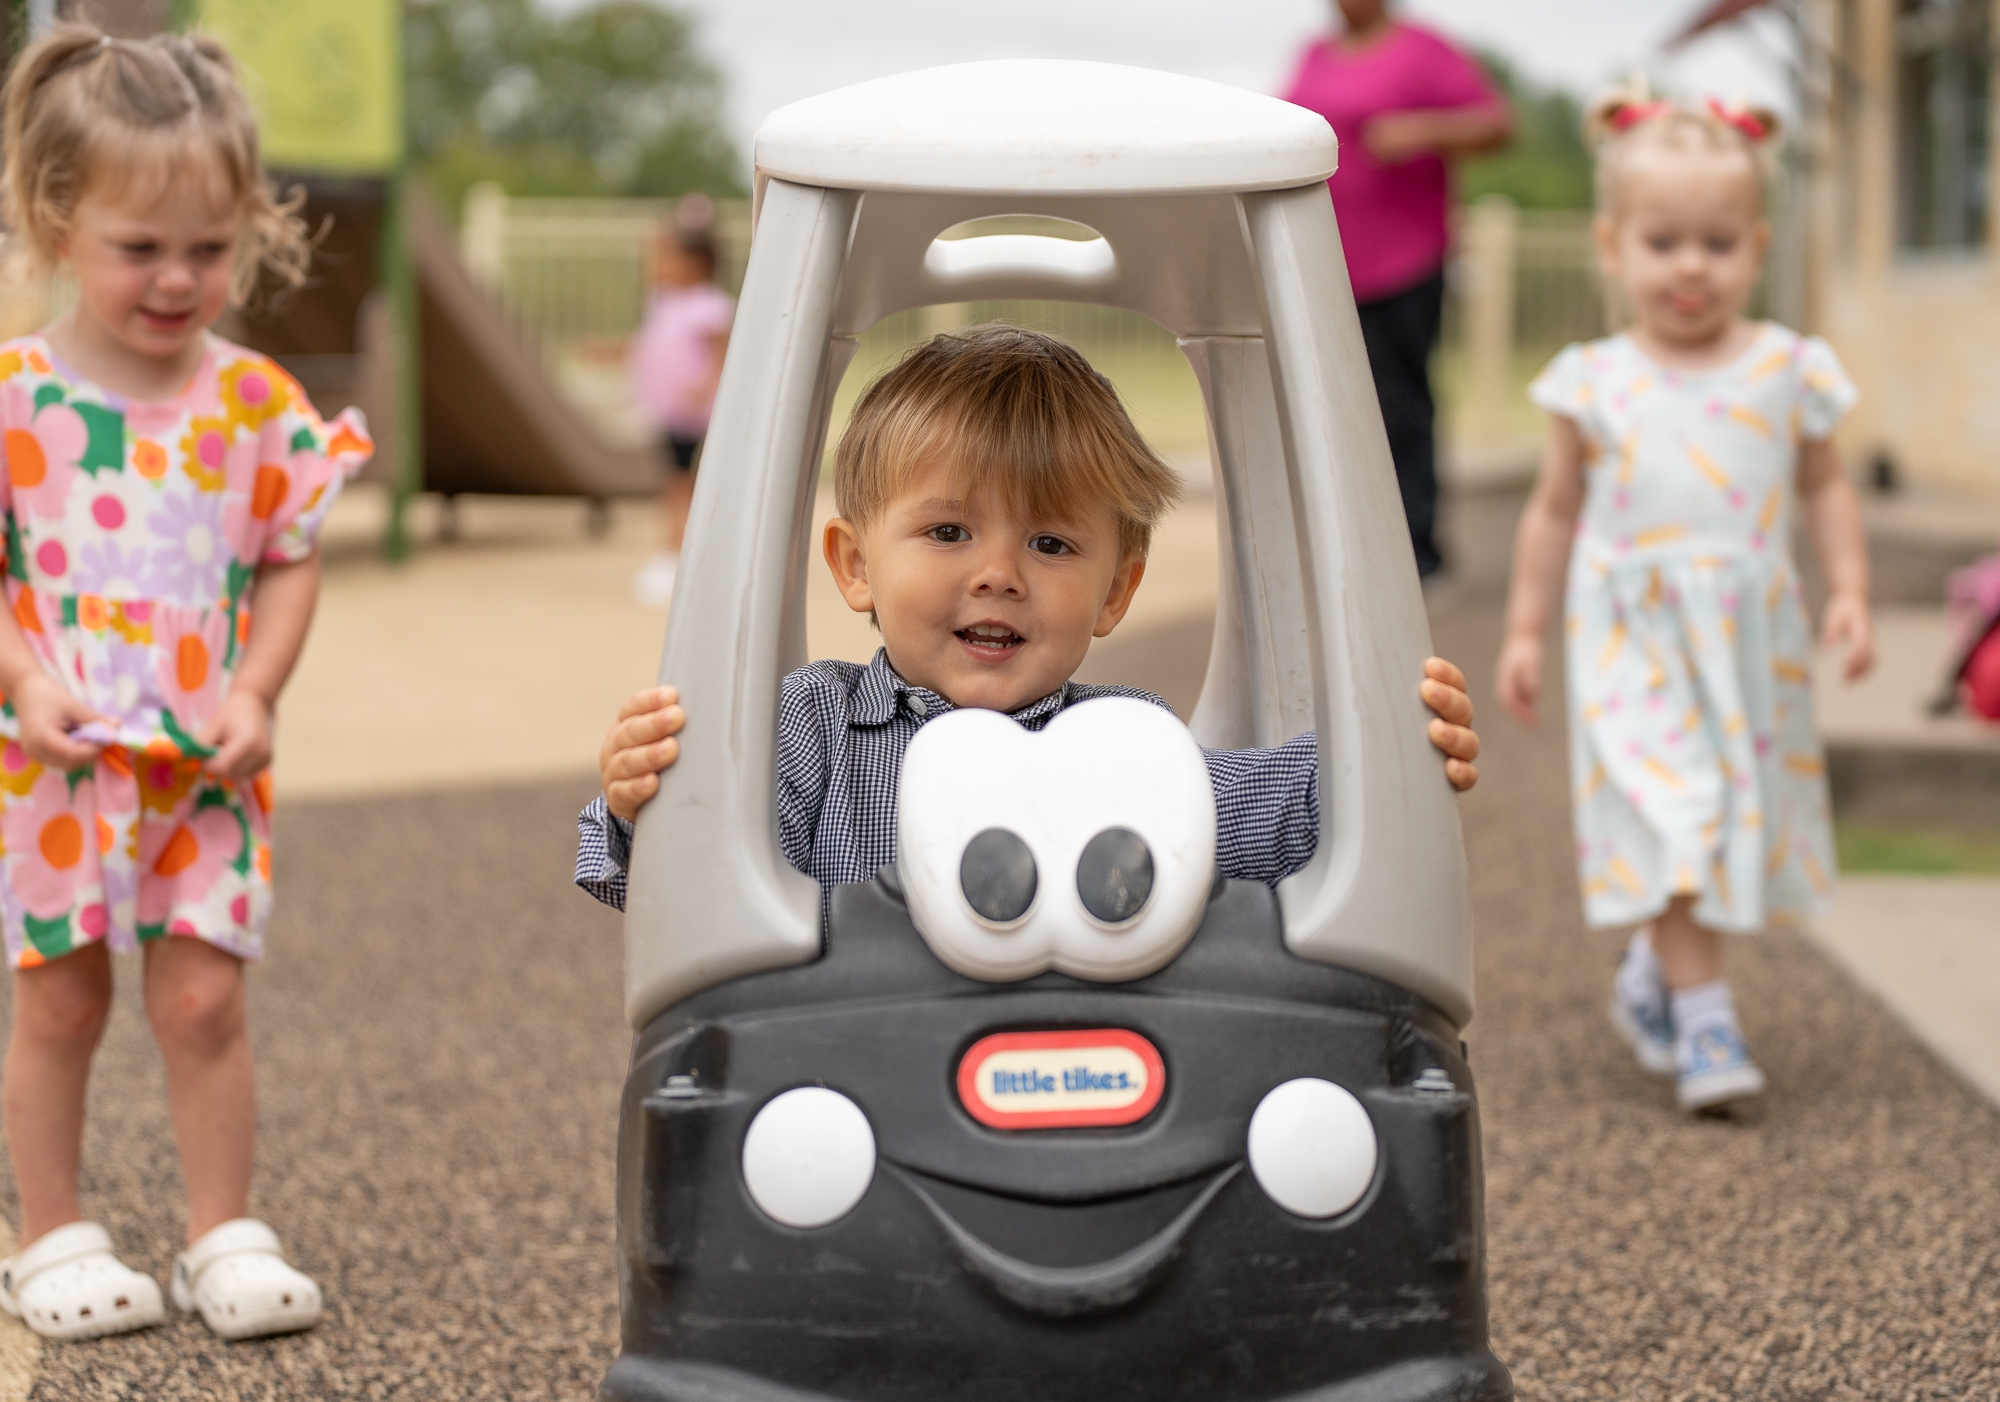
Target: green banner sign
[326, 78]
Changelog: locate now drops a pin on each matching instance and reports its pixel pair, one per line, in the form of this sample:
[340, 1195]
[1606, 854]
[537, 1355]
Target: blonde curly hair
[83, 107]
[1627, 121]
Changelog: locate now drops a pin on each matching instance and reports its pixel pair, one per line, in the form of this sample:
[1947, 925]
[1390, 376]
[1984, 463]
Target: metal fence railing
[572, 274]
[1558, 296]
[1522, 285]
[576, 270]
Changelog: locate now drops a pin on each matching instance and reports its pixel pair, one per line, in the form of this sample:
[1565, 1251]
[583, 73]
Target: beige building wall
[1919, 330]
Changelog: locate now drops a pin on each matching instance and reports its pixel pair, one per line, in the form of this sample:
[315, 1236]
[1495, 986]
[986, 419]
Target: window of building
[1943, 82]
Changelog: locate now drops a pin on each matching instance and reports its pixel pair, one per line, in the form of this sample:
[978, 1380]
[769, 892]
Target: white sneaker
[1641, 1009]
[653, 585]
[1715, 1069]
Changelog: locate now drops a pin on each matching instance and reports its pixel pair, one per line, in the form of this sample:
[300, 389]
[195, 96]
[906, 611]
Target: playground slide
[493, 420]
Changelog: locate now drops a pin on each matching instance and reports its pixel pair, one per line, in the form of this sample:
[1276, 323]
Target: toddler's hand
[240, 734]
[1518, 677]
[1443, 690]
[1846, 621]
[639, 745]
[48, 712]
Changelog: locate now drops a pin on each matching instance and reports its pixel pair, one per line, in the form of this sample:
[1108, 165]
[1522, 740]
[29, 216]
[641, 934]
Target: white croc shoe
[68, 1285]
[237, 1276]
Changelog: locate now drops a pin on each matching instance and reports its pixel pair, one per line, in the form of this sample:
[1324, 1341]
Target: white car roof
[1044, 125]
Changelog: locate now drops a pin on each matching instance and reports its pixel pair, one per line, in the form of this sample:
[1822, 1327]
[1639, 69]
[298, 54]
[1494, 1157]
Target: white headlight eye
[1312, 1147]
[1087, 847]
[1114, 876]
[808, 1157]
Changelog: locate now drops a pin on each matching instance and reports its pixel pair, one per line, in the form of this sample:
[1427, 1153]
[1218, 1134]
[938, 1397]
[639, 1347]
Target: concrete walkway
[1929, 947]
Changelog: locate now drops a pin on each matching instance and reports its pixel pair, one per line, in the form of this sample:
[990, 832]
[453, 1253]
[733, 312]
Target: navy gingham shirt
[842, 730]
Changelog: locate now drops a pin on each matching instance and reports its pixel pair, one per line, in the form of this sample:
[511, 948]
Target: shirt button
[917, 705]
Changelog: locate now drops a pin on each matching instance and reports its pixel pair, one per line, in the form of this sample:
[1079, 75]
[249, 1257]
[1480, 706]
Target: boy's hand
[1518, 678]
[240, 732]
[1846, 621]
[48, 712]
[1443, 690]
[639, 745]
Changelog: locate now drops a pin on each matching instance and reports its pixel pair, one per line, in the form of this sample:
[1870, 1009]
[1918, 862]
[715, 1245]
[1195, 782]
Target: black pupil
[1114, 876]
[997, 874]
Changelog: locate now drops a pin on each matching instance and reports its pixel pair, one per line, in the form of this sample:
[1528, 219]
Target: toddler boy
[996, 505]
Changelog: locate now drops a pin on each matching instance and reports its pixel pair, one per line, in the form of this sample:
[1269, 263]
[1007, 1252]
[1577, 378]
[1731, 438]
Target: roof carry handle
[1066, 267]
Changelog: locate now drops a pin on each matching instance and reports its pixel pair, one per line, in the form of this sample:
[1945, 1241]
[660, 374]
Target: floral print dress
[134, 531]
[1696, 761]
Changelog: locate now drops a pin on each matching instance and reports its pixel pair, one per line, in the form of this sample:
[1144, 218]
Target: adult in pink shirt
[1403, 102]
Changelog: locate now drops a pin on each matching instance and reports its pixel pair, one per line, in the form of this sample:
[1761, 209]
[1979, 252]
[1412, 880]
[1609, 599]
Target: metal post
[482, 245]
[405, 351]
[1490, 238]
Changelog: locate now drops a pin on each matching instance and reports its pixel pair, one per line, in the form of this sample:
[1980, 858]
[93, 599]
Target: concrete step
[1892, 762]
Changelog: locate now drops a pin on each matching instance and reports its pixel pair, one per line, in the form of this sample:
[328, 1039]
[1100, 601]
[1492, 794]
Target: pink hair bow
[1629, 116]
[1744, 122]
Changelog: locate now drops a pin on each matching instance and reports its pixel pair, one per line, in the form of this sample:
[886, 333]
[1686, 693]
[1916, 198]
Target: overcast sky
[777, 51]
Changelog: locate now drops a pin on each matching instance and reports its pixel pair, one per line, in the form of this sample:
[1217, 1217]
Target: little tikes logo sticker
[1061, 1080]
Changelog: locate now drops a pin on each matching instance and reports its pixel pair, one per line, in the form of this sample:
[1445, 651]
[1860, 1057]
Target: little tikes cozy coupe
[1047, 1111]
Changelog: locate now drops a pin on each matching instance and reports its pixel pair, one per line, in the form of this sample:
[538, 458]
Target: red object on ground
[1979, 683]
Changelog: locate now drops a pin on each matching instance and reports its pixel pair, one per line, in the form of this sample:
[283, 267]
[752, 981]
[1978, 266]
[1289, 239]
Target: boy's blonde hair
[1625, 122]
[83, 108]
[1015, 412]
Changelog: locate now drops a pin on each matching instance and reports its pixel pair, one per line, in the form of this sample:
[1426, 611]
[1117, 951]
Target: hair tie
[1745, 122]
[1630, 115]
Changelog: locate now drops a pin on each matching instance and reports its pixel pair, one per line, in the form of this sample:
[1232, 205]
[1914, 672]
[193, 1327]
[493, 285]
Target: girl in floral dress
[1681, 451]
[159, 483]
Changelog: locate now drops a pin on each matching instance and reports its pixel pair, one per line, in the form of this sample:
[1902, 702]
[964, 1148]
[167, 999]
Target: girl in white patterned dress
[1679, 453]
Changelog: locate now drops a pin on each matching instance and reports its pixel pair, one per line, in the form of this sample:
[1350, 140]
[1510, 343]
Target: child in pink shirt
[676, 363]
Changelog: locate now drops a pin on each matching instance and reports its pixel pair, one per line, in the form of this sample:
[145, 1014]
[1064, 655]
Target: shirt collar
[882, 693]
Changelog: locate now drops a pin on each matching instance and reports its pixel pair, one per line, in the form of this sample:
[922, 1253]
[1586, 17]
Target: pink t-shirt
[673, 356]
[1392, 218]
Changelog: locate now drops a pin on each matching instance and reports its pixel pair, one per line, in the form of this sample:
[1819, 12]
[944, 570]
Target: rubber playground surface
[440, 1050]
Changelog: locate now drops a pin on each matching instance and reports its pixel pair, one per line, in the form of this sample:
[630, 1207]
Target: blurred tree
[1547, 166]
[607, 98]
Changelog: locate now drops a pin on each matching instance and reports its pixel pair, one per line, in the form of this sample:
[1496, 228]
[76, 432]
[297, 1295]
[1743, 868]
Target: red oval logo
[1061, 1080]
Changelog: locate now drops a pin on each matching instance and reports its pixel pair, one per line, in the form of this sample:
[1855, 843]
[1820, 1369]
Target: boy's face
[976, 602]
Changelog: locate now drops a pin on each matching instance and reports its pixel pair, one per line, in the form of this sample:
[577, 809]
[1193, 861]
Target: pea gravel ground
[440, 1048]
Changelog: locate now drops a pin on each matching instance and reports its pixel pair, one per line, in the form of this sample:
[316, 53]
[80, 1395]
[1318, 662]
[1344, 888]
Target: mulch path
[441, 1046]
